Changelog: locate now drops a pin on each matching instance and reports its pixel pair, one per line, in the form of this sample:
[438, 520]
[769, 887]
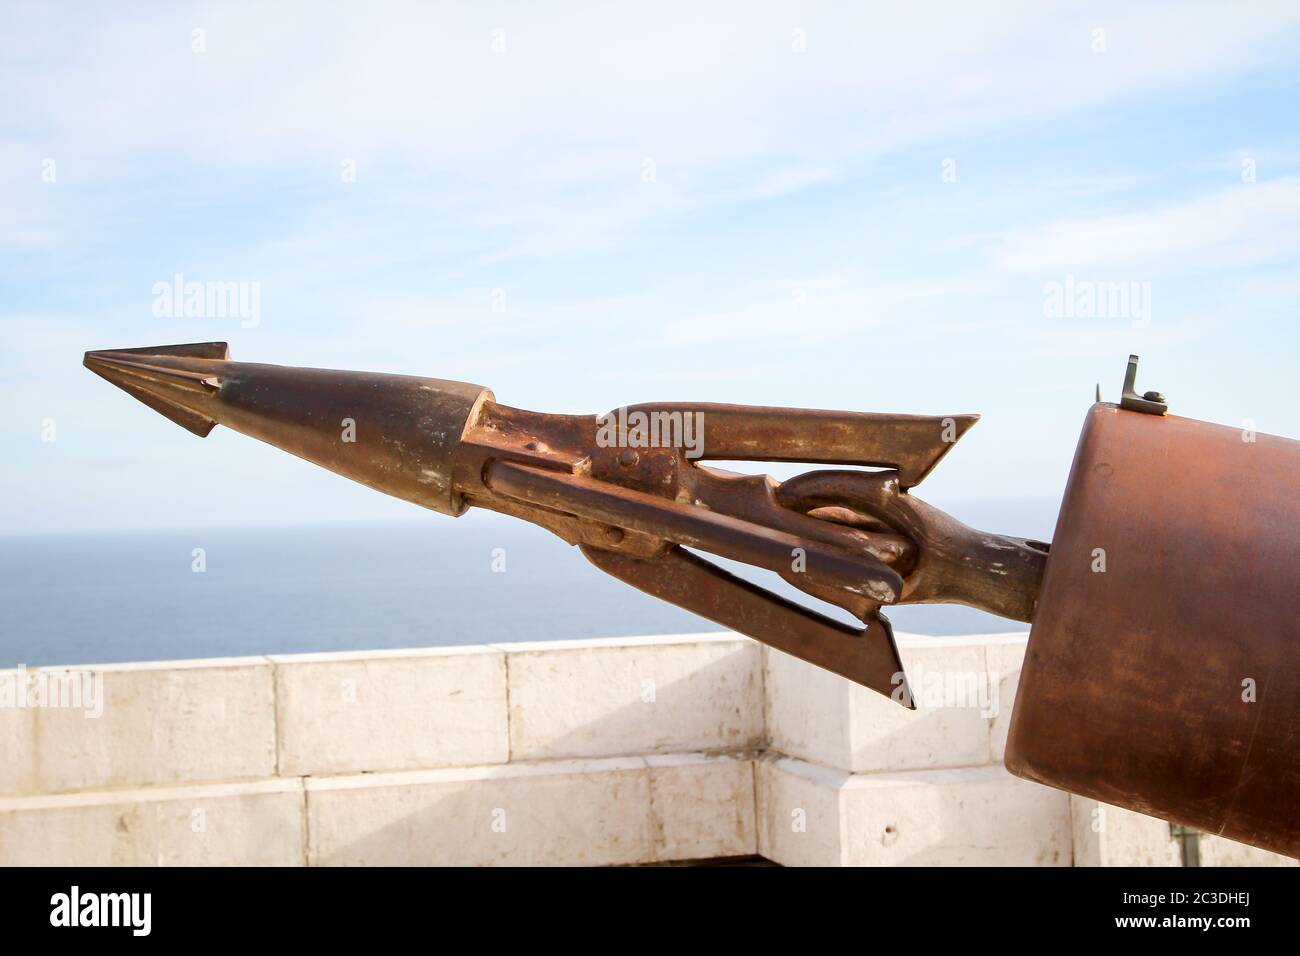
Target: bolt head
[1154, 397]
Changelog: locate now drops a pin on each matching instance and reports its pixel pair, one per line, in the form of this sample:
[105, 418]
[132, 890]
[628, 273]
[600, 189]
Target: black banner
[915, 906]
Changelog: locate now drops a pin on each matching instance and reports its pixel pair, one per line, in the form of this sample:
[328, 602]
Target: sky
[875, 207]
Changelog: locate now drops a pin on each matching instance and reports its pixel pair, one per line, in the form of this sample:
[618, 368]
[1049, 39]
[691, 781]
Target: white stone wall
[619, 751]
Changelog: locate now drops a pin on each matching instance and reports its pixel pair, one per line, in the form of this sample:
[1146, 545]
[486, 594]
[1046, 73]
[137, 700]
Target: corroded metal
[1163, 668]
[1162, 671]
[639, 502]
[404, 435]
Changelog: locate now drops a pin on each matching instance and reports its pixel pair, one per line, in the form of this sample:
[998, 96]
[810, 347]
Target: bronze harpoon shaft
[632, 491]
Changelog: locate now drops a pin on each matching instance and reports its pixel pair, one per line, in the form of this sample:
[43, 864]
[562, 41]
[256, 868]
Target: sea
[432, 581]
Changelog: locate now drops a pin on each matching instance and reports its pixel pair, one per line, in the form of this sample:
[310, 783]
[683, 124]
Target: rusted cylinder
[1163, 668]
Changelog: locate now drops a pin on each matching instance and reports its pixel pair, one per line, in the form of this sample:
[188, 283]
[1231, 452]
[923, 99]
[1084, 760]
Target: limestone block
[815, 715]
[163, 723]
[391, 710]
[808, 711]
[617, 810]
[588, 812]
[799, 812]
[702, 807]
[257, 823]
[981, 816]
[17, 740]
[634, 696]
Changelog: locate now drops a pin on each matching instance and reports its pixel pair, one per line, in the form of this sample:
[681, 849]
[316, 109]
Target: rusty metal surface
[854, 539]
[407, 429]
[868, 657]
[954, 564]
[905, 443]
[1169, 683]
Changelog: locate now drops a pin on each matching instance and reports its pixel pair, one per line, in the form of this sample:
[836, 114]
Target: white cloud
[1239, 225]
[538, 151]
[584, 92]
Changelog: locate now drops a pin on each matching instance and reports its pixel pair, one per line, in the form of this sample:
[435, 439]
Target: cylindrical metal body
[1163, 669]
[399, 434]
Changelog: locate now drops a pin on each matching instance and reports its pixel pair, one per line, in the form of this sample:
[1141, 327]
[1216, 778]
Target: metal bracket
[1191, 839]
[1149, 403]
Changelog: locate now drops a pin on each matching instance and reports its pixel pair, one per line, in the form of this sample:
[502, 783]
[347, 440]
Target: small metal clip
[1149, 403]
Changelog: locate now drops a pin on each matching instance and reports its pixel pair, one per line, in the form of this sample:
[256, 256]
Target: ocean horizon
[136, 596]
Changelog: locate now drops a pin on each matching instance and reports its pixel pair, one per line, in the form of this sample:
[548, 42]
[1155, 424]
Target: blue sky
[826, 205]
